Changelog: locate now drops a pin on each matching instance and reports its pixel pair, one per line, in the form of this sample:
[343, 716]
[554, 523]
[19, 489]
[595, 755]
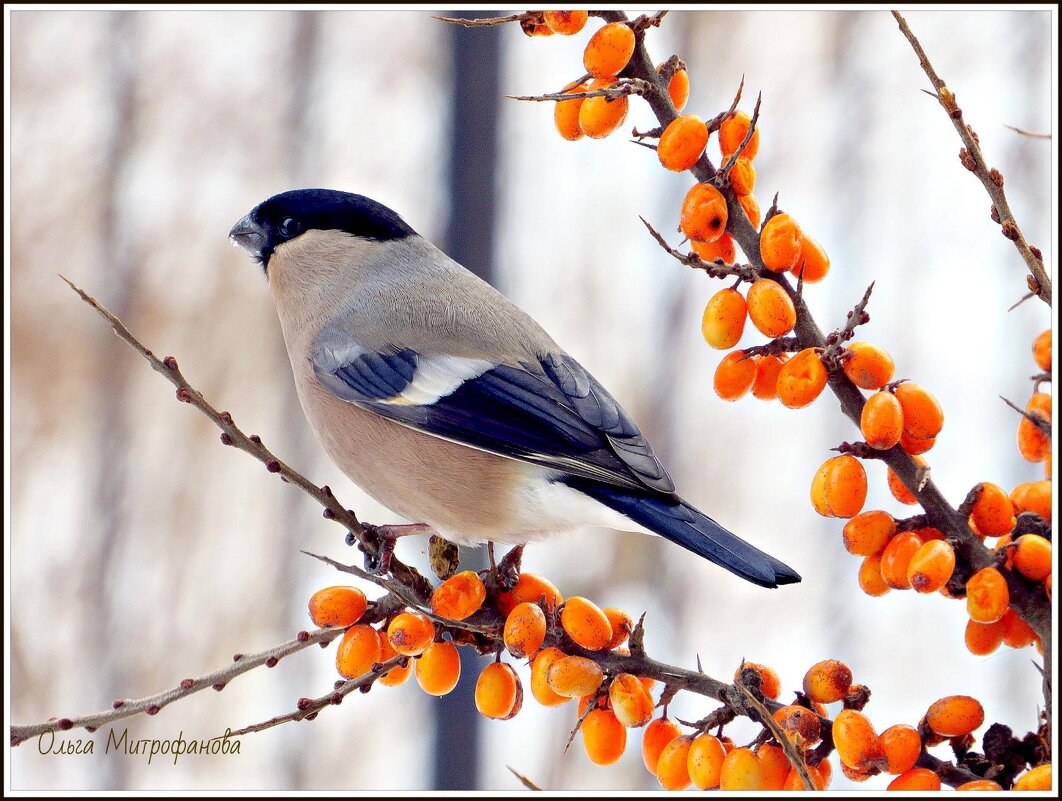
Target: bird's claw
[509, 568]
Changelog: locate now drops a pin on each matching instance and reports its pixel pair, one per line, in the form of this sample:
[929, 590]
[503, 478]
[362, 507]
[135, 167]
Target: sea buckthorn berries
[800, 725]
[868, 533]
[801, 379]
[741, 771]
[993, 513]
[774, 766]
[539, 672]
[722, 249]
[532, 27]
[574, 676]
[704, 214]
[622, 626]
[916, 779]
[1039, 778]
[751, 208]
[867, 365]
[780, 243]
[1033, 444]
[794, 781]
[870, 580]
[672, 770]
[609, 50]
[896, 558]
[931, 566]
[770, 684]
[827, 681]
[657, 735]
[723, 321]
[604, 738]
[438, 669]
[678, 88]
[770, 308]
[459, 597]
[922, 416]
[586, 623]
[525, 630]
[566, 114]
[981, 784]
[1042, 350]
[899, 489]
[881, 421]
[742, 176]
[1040, 403]
[358, 651]
[915, 446]
[1032, 557]
[768, 368]
[1016, 632]
[1037, 499]
[529, 588]
[337, 607]
[983, 639]
[839, 488]
[630, 701]
[858, 745]
[411, 633]
[599, 116]
[682, 143]
[813, 264]
[566, 23]
[955, 716]
[732, 133]
[987, 596]
[704, 761]
[498, 692]
[734, 376]
[902, 745]
[396, 675]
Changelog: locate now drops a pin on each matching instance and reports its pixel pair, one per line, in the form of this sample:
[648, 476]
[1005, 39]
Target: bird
[446, 402]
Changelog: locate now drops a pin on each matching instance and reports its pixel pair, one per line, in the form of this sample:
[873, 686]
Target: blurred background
[142, 552]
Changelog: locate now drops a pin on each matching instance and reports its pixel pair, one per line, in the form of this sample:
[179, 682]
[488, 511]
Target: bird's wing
[550, 412]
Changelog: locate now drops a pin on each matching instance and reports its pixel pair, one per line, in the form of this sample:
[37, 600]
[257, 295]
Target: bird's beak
[248, 235]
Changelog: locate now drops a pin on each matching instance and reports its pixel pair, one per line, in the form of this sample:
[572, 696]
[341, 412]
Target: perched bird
[447, 403]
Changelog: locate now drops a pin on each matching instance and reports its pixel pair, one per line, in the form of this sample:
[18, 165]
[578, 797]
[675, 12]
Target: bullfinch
[447, 403]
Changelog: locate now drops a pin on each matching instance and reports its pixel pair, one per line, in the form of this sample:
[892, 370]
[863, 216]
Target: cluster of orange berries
[1033, 444]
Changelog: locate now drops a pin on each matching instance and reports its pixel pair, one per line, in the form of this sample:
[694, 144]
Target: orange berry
[1042, 350]
[983, 639]
[931, 566]
[525, 630]
[902, 745]
[825, 772]
[799, 724]
[609, 50]
[1040, 403]
[732, 134]
[801, 379]
[916, 779]
[574, 676]
[734, 376]
[867, 365]
[1037, 499]
[896, 558]
[752, 209]
[532, 28]
[774, 766]
[981, 784]
[498, 692]
[682, 143]
[813, 263]
[703, 216]
[1016, 632]
[768, 368]
[770, 684]
[741, 771]
[678, 88]
[870, 580]
[770, 308]
[396, 675]
[1039, 778]
[630, 701]
[672, 770]
[411, 633]
[704, 761]
[529, 588]
[657, 735]
[794, 781]
[600, 116]
[955, 716]
[438, 669]
[621, 624]
[914, 445]
[1033, 444]
[1032, 557]
[922, 416]
[721, 249]
[780, 243]
[899, 489]
[993, 513]
[604, 738]
[827, 681]
[459, 597]
[742, 176]
[358, 651]
[842, 489]
[881, 421]
[868, 533]
[723, 321]
[586, 623]
[858, 745]
[566, 114]
[856, 775]
[565, 23]
[987, 596]
[539, 677]
[337, 607]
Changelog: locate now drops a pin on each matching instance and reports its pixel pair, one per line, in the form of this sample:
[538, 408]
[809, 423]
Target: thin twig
[1035, 419]
[624, 87]
[1030, 134]
[487, 22]
[792, 753]
[526, 782]
[715, 269]
[724, 173]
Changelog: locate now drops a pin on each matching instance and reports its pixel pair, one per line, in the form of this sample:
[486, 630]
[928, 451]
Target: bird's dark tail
[683, 524]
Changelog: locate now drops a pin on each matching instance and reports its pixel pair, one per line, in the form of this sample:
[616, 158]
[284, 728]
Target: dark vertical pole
[474, 64]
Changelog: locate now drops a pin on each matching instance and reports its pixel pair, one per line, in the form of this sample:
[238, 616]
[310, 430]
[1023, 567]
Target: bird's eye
[289, 227]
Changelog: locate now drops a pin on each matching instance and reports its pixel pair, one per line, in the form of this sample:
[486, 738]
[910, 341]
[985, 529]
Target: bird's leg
[490, 557]
[381, 543]
[509, 567]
